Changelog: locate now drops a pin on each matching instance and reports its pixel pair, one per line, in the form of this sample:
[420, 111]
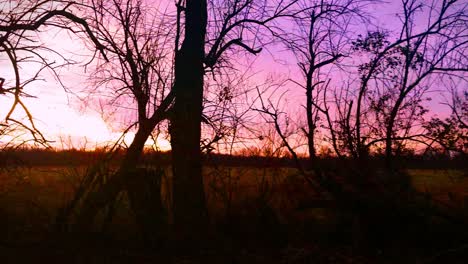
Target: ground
[30, 198]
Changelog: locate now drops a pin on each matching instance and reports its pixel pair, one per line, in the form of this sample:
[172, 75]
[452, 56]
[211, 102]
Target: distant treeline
[45, 157]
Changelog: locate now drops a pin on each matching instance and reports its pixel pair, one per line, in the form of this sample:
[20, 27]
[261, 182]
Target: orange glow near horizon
[58, 114]
[67, 127]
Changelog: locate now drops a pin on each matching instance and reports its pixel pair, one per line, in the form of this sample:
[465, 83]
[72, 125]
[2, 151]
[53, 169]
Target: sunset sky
[69, 122]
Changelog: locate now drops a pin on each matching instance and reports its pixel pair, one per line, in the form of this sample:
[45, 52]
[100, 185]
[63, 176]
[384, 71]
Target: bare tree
[140, 66]
[138, 71]
[450, 134]
[319, 38]
[403, 67]
[211, 31]
[20, 22]
[383, 104]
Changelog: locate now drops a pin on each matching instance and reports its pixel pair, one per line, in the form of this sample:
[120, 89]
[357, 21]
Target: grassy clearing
[449, 186]
[49, 188]
[439, 180]
[30, 197]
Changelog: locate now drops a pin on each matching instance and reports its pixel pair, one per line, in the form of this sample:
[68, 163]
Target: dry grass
[448, 186]
[45, 189]
[30, 197]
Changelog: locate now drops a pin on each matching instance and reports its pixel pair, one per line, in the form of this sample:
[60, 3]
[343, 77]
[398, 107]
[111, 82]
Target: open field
[48, 188]
[441, 184]
[30, 198]
[43, 190]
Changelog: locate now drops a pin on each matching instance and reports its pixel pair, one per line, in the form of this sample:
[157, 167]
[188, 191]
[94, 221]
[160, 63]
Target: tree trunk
[98, 199]
[389, 162]
[388, 146]
[310, 125]
[188, 192]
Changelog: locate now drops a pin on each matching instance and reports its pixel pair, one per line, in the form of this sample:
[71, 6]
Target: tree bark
[123, 179]
[188, 191]
[310, 122]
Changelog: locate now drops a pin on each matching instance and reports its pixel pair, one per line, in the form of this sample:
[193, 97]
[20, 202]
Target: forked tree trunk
[124, 179]
[188, 192]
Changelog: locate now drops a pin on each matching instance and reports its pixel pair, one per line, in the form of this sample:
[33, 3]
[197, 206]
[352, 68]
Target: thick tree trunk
[143, 191]
[122, 180]
[188, 192]
[311, 126]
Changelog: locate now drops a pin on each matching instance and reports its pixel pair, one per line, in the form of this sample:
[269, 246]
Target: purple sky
[63, 118]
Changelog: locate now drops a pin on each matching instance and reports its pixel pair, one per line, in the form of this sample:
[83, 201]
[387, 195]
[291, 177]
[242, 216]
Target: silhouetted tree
[319, 38]
[401, 69]
[189, 196]
[451, 133]
[137, 70]
[384, 102]
[141, 66]
[211, 30]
